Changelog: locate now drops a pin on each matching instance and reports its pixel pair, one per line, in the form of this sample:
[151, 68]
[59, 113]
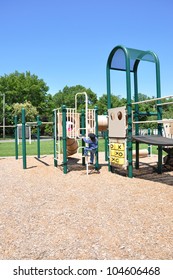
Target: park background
[50, 50]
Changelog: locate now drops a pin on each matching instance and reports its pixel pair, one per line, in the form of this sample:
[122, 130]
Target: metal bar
[38, 137]
[59, 132]
[73, 130]
[7, 126]
[16, 137]
[54, 136]
[3, 94]
[149, 146]
[4, 115]
[95, 120]
[64, 137]
[83, 134]
[155, 121]
[46, 122]
[138, 113]
[129, 118]
[151, 100]
[166, 103]
[23, 139]
[96, 132]
[86, 109]
[66, 121]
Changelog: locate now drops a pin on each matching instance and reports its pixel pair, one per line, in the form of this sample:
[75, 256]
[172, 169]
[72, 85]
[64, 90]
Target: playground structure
[70, 126]
[121, 123]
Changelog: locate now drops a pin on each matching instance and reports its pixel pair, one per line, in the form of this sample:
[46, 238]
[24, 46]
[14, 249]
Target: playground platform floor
[47, 215]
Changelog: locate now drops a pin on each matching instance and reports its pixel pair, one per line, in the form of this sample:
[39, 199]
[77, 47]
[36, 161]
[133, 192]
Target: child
[93, 145]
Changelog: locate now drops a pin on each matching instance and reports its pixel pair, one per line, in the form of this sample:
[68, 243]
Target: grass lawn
[46, 147]
[8, 148]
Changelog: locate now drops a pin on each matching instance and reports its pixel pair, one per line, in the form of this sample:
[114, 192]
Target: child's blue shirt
[92, 145]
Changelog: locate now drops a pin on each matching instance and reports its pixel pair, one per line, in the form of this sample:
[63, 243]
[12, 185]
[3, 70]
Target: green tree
[22, 87]
[116, 101]
[30, 110]
[67, 97]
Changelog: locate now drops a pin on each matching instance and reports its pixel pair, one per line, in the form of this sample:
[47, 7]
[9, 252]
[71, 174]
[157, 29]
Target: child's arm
[86, 140]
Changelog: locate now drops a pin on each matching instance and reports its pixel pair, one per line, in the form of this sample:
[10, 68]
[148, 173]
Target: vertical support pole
[83, 134]
[55, 136]
[137, 156]
[105, 133]
[136, 112]
[64, 138]
[16, 137]
[3, 115]
[108, 82]
[136, 133]
[129, 140]
[149, 146]
[159, 159]
[23, 138]
[159, 117]
[106, 144]
[159, 113]
[38, 137]
[96, 132]
[129, 119]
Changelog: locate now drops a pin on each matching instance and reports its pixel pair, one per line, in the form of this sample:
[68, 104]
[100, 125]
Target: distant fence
[144, 131]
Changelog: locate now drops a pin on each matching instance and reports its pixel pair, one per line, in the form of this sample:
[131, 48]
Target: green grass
[46, 147]
[145, 146]
[8, 148]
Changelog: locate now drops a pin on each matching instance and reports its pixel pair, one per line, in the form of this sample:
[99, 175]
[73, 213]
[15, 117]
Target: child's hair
[92, 136]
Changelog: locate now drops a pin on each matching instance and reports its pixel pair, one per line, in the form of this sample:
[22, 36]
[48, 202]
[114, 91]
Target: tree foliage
[23, 87]
[67, 97]
[116, 101]
[30, 111]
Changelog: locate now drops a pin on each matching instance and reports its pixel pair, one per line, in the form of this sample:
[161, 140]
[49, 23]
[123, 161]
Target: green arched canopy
[127, 59]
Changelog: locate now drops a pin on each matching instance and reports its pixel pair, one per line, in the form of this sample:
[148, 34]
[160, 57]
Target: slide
[72, 146]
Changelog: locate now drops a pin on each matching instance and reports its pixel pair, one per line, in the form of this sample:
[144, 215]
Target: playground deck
[45, 214]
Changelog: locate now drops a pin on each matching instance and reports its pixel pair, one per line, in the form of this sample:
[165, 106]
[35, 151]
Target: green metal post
[159, 113]
[105, 133]
[149, 146]
[16, 136]
[55, 136]
[64, 138]
[136, 115]
[108, 87]
[96, 132]
[38, 137]
[23, 138]
[106, 144]
[83, 133]
[129, 118]
[108, 103]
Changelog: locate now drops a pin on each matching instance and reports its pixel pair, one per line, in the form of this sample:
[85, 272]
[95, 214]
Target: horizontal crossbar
[153, 99]
[7, 125]
[154, 121]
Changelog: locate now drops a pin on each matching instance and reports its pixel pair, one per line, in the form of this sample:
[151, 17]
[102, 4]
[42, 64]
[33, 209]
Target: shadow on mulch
[148, 172]
[45, 163]
[74, 164]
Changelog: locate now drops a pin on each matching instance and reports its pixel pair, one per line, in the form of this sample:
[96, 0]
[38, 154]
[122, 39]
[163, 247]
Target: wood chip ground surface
[45, 214]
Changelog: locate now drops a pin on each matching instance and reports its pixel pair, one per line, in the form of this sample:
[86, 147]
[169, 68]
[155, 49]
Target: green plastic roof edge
[132, 54]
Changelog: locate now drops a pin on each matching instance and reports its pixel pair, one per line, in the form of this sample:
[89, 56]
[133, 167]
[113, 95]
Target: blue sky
[68, 42]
